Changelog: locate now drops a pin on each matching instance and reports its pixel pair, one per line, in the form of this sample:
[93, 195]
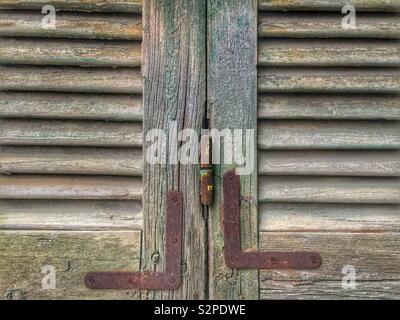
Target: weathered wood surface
[281, 134]
[71, 106]
[333, 5]
[328, 25]
[71, 25]
[70, 133]
[329, 290]
[71, 79]
[70, 52]
[375, 256]
[120, 6]
[329, 189]
[328, 106]
[83, 161]
[330, 163]
[174, 90]
[23, 254]
[338, 80]
[70, 215]
[330, 52]
[316, 217]
[232, 95]
[70, 187]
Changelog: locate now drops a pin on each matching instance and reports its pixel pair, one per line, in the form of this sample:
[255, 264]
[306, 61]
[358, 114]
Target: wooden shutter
[329, 140]
[71, 137]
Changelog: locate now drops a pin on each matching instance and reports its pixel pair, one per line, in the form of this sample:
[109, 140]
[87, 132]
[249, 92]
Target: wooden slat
[232, 97]
[375, 256]
[328, 25]
[70, 52]
[333, 5]
[314, 80]
[280, 134]
[309, 217]
[86, 161]
[122, 6]
[71, 106]
[71, 79]
[330, 52]
[329, 189]
[329, 290]
[70, 187]
[23, 254]
[72, 25]
[327, 163]
[70, 215]
[70, 133]
[328, 106]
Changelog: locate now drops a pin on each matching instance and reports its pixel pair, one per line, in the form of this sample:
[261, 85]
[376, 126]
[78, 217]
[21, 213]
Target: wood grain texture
[316, 217]
[23, 254]
[83, 161]
[280, 134]
[337, 80]
[70, 133]
[47, 105]
[329, 189]
[325, 5]
[70, 52]
[329, 290]
[71, 79]
[330, 163]
[120, 6]
[232, 95]
[71, 25]
[329, 106]
[174, 90]
[328, 25]
[375, 256]
[330, 52]
[70, 187]
[70, 215]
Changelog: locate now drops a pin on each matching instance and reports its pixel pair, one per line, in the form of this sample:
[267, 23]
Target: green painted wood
[71, 79]
[329, 80]
[70, 187]
[70, 133]
[302, 134]
[76, 106]
[329, 53]
[328, 25]
[120, 6]
[232, 93]
[68, 160]
[174, 90]
[70, 52]
[329, 5]
[329, 106]
[78, 215]
[71, 25]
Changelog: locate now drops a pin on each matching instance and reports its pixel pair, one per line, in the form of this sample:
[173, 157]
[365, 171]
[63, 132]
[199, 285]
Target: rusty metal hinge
[235, 258]
[170, 279]
[206, 171]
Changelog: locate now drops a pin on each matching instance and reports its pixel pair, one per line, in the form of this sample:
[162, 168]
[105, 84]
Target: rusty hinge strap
[170, 279]
[235, 258]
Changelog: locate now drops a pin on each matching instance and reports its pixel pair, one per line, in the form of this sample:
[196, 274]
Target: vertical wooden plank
[174, 90]
[232, 93]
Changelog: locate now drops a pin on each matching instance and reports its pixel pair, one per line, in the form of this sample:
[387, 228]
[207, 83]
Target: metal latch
[206, 171]
[235, 258]
[170, 279]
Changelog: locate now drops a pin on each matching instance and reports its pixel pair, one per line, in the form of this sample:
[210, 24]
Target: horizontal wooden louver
[329, 145]
[71, 116]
